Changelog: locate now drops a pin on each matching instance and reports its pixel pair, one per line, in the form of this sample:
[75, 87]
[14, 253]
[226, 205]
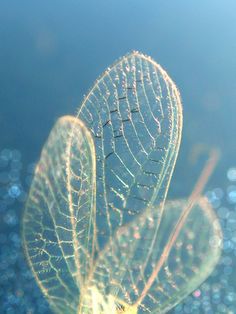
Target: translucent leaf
[97, 233]
[134, 114]
[58, 226]
[175, 269]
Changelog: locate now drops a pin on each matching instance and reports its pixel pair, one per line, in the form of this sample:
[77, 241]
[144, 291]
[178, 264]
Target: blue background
[51, 52]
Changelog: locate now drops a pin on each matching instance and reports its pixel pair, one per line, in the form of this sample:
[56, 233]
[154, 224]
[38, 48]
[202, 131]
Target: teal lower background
[51, 53]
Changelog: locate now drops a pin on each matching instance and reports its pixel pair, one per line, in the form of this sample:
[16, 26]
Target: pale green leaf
[176, 269]
[135, 117]
[58, 224]
[97, 233]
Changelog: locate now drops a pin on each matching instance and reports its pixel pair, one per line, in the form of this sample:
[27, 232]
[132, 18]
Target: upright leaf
[59, 220]
[97, 232]
[135, 117]
[174, 269]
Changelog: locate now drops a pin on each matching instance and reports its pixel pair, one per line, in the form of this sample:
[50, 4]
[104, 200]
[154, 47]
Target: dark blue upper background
[52, 51]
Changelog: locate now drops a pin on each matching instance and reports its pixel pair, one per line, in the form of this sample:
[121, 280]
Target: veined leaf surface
[58, 225]
[97, 232]
[123, 272]
[135, 116]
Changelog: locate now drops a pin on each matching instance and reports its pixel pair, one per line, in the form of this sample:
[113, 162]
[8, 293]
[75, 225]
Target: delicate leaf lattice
[58, 224]
[97, 232]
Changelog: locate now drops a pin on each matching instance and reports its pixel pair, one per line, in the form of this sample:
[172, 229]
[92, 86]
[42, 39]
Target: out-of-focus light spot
[14, 175]
[14, 191]
[231, 194]
[6, 154]
[228, 270]
[228, 246]
[222, 308]
[215, 197]
[231, 174]
[205, 287]
[14, 237]
[231, 222]
[197, 293]
[227, 261]
[16, 165]
[223, 212]
[10, 218]
[216, 298]
[218, 193]
[230, 297]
